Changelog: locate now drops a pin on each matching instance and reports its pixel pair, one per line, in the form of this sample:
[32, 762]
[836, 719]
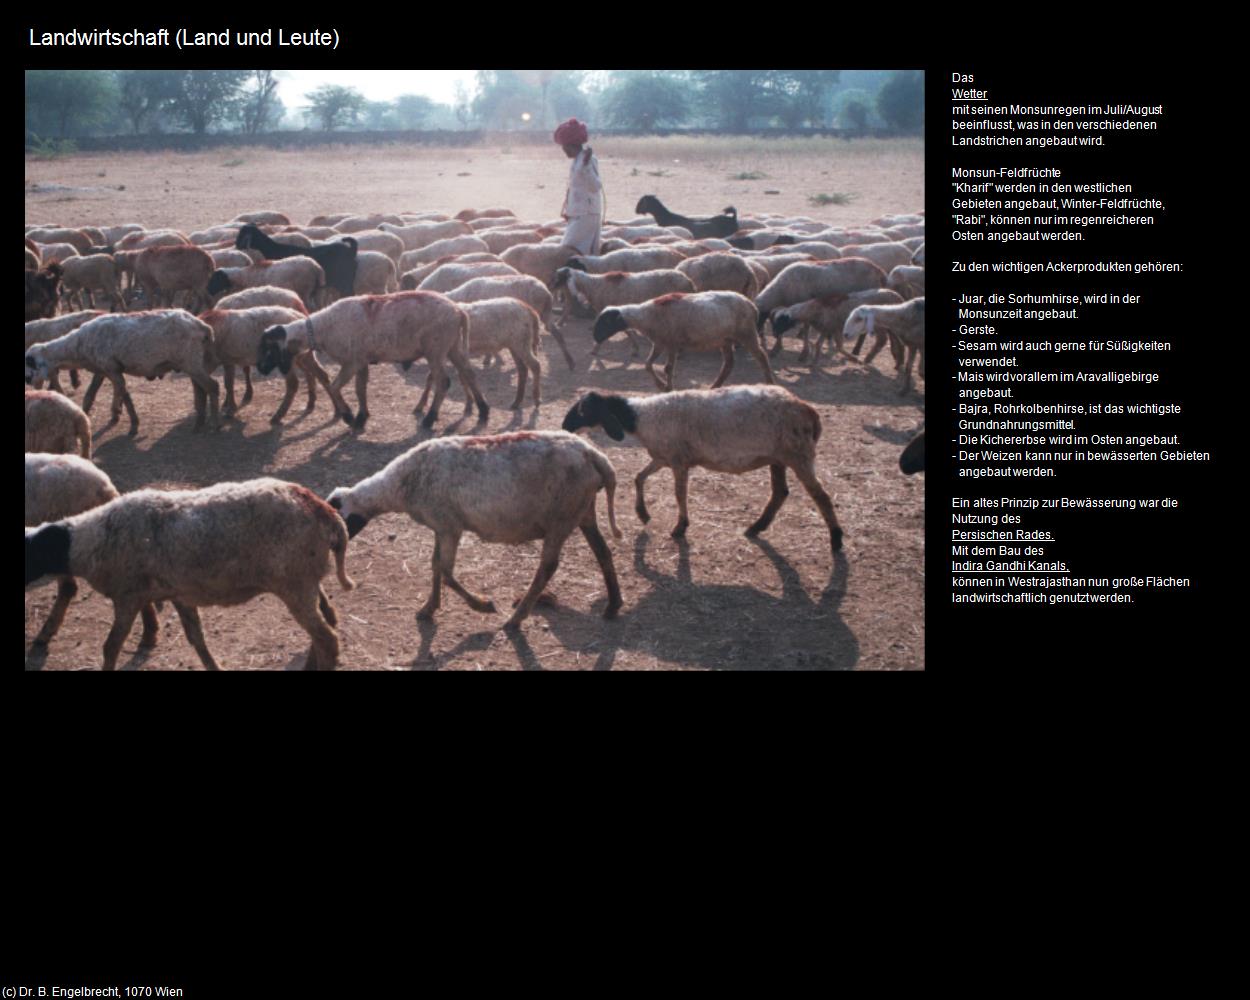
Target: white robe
[583, 204]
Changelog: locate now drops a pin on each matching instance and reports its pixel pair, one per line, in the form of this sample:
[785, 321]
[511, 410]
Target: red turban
[571, 133]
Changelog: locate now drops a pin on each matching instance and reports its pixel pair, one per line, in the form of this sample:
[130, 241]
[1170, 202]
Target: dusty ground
[718, 601]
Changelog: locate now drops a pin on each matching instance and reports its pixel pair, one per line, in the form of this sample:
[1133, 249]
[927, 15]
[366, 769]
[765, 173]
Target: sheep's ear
[613, 427]
[355, 524]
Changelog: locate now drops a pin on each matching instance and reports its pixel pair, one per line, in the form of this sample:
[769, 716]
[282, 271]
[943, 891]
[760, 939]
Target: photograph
[475, 369]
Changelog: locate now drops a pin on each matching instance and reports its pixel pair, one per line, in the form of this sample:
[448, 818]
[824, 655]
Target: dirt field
[716, 601]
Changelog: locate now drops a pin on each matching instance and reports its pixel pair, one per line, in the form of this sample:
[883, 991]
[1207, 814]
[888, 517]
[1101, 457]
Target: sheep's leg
[469, 380]
[227, 376]
[362, 398]
[292, 387]
[882, 339]
[536, 369]
[73, 379]
[522, 373]
[316, 374]
[247, 393]
[757, 352]
[633, 343]
[66, 588]
[669, 365]
[681, 483]
[594, 538]
[305, 608]
[425, 394]
[780, 492]
[151, 627]
[650, 363]
[435, 600]
[548, 563]
[441, 382]
[327, 609]
[806, 473]
[727, 365]
[858, 344]
[124, 615]
[447, 547]
[564, 348]
[88, 399]
[335, 389]
[640, 503]
[911, 360]
[119, 389]
[190, 618]
[206, 388]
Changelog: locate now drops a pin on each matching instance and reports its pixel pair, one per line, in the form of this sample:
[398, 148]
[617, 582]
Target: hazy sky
[375, 84]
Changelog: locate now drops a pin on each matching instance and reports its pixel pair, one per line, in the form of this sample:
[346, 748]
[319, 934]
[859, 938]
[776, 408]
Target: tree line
[63, 104]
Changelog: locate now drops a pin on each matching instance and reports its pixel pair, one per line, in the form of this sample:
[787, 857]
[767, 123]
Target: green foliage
[646, 99]
[852, 109]
[260, 109]
[412, 110]
[207, 97]
[901, 100]
[334, 106]
[68, 101]
[144, 94]
[50, 149]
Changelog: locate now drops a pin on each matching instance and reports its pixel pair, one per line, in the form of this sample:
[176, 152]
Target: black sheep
[717, 226]
[338, 259]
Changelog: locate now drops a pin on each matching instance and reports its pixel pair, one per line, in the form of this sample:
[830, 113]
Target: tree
[333, 106]
[412, 110]
[568, 99]
[504, 96]
[805, 93]
[901, 100]
[206, 97]
[852, 109]
[259, 106]
[463, 106]
[143, 93]
[733, 97]
[645, 100]
[67, 100]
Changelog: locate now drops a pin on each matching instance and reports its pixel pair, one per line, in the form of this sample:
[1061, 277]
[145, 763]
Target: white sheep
[907, 280]
[222, 545]
[828, 317]
[699, 321]
[40, 331]
[302, 275]
[529, 290]
[597, 292]
[150, 343]
[904, 323]
[539, 260]
[375, 274]
[48, 236]
[720, 272]
[917, 258]
[802, 281]
[263, 218]
[56, 253]
[236, 342]
[360, 223]
[508, 324]
[509, 488]
[424, 233]
[456, 245]
[500, 240]
[731, 430]
[363, 330]
[80, 276]
[632, 260]
[376, 241]
[55, 425]
[57, 487]
[886, 256]
[448, 276]
[410, 279]
[142, 240]
[263, 295]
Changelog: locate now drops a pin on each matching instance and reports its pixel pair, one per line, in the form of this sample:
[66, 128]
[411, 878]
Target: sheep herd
[354, 291]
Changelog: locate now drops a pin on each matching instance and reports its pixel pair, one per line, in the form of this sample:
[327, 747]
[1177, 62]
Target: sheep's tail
[82, 431]
[464, 333]
[338, 546]
[608, 474]
[536, 336]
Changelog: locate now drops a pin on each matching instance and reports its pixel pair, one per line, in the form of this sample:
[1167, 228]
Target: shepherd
[583, 201]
